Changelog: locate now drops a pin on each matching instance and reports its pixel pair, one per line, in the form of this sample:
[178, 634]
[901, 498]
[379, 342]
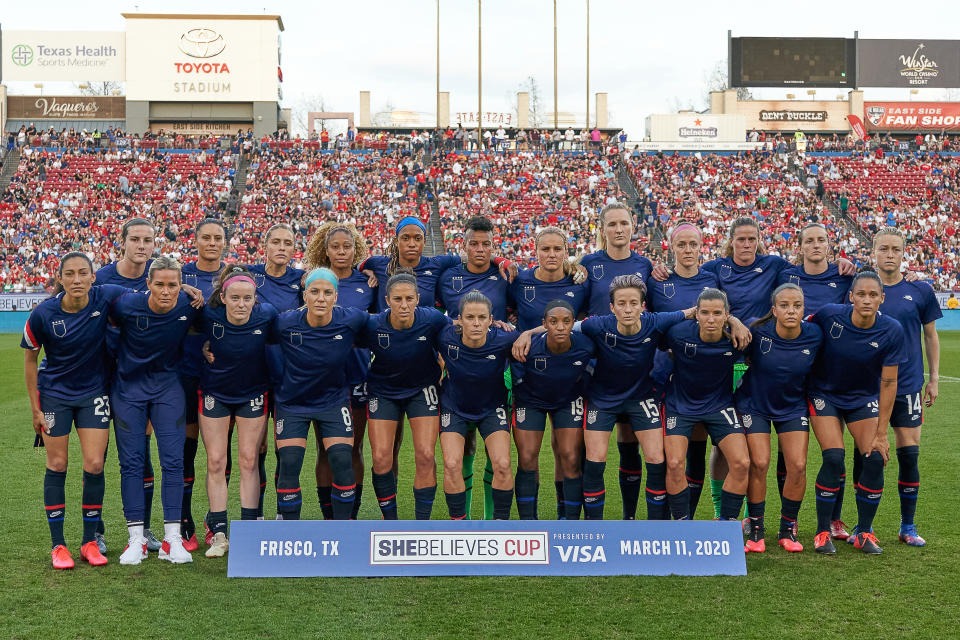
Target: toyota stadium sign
[62, 56]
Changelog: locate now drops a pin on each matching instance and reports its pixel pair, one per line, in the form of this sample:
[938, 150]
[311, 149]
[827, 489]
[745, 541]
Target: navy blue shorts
[755, 423]
[719, 424]
[332, 422]
[571, 416]
[423, 404]
[88, 413]
[489, 424]
[255, 407]
[191, 398]
[822, 407]
[358, 397]
[907, 410]
[642, 414]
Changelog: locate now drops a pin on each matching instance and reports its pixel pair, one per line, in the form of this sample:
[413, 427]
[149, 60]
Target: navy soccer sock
[696, 471]
[324, 493]
[248, 514]
[908, 481]
[423, 501]
[289, 495]
[680, 504]
[502, 500]
[54, 503]
[262, 468]
[657, 508]
[385, 487]
[869, 491]
[92, 503]
[781, 472]
[755, 511]
[526, 484]
[630, 472]
[217, 521]
[594, 493]
[730, 505]
[827, 486]
[457, 505]
[572, 497]
[561, 507]
[344, 486]
[789, 510]
[356, 501]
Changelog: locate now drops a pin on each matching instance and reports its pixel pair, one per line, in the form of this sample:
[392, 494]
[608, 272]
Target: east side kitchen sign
[912, 116]
[66, 107]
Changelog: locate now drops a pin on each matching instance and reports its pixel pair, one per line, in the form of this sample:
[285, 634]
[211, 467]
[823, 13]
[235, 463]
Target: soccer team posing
[356, 344]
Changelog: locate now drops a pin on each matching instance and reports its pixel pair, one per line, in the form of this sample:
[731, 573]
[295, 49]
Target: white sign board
[72, 56]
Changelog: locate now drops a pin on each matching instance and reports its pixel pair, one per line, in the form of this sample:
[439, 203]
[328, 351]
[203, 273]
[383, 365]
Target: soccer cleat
[788, 540]
[218, 546]
[190, 544]
[61, 557]
[90, 553]
[823, 544]
[152, 543]
[867, 542]
[173, 550]
[909, 535]
[208, 536]
[756, 546]
[838, 530]
[101, 543]
[134, 552]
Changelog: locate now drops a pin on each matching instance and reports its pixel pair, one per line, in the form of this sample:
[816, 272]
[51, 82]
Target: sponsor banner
[66, 107]
[912, 116]
[200, 128]
[857, 125]
[490, 119]
[73, 56]
[370, 548]
[943, 296]
[699, 126]
[793, 116]
[21, 301]
[908, 63]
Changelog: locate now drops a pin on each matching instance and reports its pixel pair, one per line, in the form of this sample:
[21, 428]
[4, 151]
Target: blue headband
[410, 220]
[321, 274]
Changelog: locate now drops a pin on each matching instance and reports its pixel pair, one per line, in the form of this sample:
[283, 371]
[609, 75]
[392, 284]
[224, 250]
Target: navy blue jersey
[239, 370]
[624, 362]
[748, 288]
[530, 296]
[912, 304]
[74, 358]
[550, 380]
[702, 380]
[828, 287]
[315, 358]
[428, 271]
[457, 281]
[107, 274]
[283, 292]
[775, 384]
[150, 346]
[353, 292]
[206, 281]
[404, 360]
[473, 387]
[847, 369]
[676, 293]
[602, 269]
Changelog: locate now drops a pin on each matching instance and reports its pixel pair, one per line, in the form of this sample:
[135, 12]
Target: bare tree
[715, 79]
[535, 112]
[303, 105]
[105, 88]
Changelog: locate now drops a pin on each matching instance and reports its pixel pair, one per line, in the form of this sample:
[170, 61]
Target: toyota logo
[202, 43]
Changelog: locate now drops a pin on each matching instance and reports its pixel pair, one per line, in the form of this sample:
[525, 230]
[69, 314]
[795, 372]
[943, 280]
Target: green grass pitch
[905, 593]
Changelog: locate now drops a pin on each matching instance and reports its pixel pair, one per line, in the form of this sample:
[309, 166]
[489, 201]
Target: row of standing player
[617, 232]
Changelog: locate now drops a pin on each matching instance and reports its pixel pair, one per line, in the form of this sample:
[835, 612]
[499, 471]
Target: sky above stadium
[650, 57]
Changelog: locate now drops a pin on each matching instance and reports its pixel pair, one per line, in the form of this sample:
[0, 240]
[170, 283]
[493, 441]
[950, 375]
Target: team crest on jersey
[529, 293]
[597, 272]
[540, 364]
[279, 426]
[611, 340]
[669, 290]
[835, 330]
[208, 402]
[50, 419]
[457, 283]
[725, 271]
[260, 279]
[820, 404]
[383, 339]
[453, 352]
[765, 345]
[444, 420]
[521, 414]
[296, 338]
[374, 404]
[672, 422]
[795, 280]
[143, 323]
[217, 330]
[747, 420]
[591, 416]
[59, 328]
[190, 279]
[689, 350]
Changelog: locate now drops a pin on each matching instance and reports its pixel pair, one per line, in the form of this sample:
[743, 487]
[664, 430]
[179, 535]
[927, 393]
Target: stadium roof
[203, 16]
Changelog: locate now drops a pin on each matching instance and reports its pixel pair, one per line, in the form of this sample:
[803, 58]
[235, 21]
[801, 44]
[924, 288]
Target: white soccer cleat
[218, 546]
[135, 551]
[172, 550]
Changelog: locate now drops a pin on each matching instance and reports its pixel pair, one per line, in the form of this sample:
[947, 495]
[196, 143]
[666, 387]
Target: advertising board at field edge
[912, 116]
[73, 56]
[202, 58]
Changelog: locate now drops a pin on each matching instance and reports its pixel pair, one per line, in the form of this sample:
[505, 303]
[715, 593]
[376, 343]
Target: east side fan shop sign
[912, 116]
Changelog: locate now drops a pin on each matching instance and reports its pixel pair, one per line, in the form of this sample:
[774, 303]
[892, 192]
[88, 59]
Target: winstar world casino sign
[171, 58]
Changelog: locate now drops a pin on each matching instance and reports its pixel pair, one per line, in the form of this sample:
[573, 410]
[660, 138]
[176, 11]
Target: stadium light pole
[479, 75]
[588, 65]
[555, 118]
[438, 64]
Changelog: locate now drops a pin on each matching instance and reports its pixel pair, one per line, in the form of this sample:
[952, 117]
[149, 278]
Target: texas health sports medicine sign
[304, 548]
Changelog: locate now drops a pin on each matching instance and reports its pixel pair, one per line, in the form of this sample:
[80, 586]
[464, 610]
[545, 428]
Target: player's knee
[570, 463]
[58, 463]
[833, 460]
[676, 465]
[216, 461]
[290, 461]
[759, 461]
[247, 460]
[796, 467]
[452, 460]
[341, 462]
[92, 463]
[424, 458]
[501, 465]
[527, 460]
[738, 465]
[382, 460]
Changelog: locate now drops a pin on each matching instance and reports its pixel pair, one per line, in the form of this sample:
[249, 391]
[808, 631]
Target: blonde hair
[743, 221]
[602, 239]
[316, 253]
[888, 231]
[555, 231]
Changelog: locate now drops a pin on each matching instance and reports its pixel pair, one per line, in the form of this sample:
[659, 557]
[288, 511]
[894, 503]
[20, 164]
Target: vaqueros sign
[303, 548]
[66, 107]
[912, 116]
[908, 63]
